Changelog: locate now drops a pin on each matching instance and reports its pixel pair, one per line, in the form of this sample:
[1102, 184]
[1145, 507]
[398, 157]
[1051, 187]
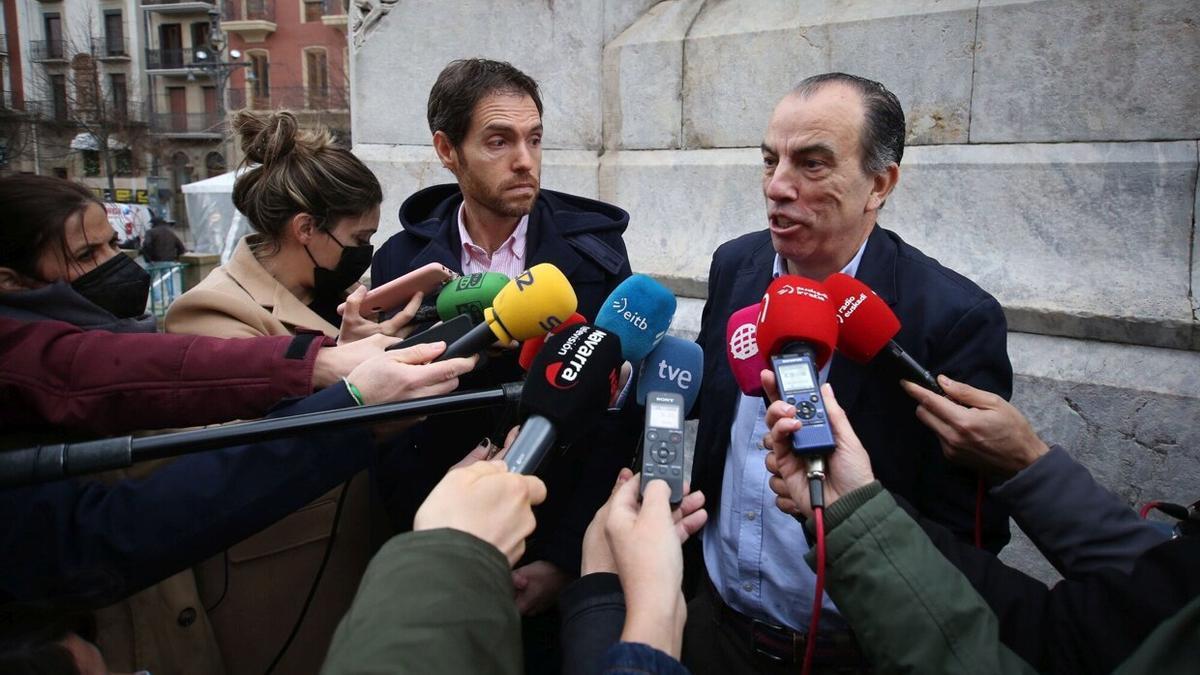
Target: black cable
[816, 493]
[225, 587]
[312, 591]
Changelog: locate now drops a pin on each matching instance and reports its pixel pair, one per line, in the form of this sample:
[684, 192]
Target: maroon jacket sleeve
[54, 374]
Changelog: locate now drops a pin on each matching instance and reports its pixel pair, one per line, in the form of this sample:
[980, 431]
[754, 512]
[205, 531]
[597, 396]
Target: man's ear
[12, 280]
[302, 226]
[446, 151]
[883, 184]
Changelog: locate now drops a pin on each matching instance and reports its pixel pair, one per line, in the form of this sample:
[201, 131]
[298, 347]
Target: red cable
[811, 648]
[1148, 508]
[979, 514]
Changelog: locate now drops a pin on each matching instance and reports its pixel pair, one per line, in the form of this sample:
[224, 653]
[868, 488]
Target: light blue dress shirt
[753, 551]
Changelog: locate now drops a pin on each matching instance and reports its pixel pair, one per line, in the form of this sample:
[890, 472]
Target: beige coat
[242, 299]
[254, 606]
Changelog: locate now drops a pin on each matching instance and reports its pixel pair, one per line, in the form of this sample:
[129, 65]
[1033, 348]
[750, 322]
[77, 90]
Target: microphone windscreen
[531, 347]
[796, 309]
[470, 294]
[741, 348]
[573, 378]
[533, 303]
[675, 366]
[639, 311]
[867, 323]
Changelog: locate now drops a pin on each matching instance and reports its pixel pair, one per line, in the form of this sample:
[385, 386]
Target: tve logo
[679, 376]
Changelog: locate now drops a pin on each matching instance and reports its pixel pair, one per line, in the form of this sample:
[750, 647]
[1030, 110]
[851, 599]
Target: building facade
[73, 94]
[296, 56]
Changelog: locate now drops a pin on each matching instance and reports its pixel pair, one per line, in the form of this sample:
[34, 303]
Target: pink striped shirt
[509, 259]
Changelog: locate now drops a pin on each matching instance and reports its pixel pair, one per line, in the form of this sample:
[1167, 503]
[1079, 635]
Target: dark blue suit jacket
[580, 236]
[949, 324]
[96, 543]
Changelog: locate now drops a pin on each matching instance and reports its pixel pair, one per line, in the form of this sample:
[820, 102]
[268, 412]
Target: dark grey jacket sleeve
[593, 614]
[1077, 524]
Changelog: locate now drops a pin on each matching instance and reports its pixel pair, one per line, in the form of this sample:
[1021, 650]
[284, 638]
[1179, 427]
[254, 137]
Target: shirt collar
[851, 268]
[515, 241]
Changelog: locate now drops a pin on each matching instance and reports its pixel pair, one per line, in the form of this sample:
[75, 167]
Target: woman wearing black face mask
[313, 208]
[59, 259]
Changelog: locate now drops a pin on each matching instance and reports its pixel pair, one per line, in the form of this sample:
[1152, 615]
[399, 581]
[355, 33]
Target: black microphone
[26, 466]
[567, 391]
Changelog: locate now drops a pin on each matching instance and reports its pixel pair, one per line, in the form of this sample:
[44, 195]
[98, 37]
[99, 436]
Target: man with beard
[486, 120]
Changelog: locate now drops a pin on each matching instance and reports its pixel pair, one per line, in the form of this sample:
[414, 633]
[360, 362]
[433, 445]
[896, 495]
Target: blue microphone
[675, 365]
[668, 387]
[639, 311]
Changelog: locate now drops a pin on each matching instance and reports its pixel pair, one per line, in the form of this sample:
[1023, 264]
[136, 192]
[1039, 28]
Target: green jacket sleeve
[911, 610]
[439, 601]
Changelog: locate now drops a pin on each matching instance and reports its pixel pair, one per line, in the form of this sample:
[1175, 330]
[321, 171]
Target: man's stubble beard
[494, 200]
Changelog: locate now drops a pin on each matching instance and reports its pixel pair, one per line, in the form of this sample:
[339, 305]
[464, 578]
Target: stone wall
[1052, 158]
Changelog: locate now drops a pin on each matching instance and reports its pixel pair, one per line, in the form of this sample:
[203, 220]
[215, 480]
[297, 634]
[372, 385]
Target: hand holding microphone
[849, 466]
[486, 501]
[978, 428]
[645, 539]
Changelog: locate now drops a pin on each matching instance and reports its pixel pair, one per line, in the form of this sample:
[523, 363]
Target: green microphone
[470, 294]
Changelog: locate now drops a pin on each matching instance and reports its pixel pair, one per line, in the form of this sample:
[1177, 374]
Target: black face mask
[329, 285]
[120, 286]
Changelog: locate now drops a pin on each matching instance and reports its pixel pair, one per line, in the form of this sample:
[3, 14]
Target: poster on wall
[129, 221]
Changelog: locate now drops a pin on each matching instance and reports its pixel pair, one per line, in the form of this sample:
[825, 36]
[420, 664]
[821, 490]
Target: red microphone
[797, 330]
[741, 349]
[796, 309]
[531, 347]
[868, 329]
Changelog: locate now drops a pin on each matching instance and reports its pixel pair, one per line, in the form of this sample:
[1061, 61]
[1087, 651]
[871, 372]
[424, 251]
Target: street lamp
[210, 61]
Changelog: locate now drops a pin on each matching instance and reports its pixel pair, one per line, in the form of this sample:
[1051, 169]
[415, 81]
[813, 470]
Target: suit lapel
[877, 269]
[749, 284]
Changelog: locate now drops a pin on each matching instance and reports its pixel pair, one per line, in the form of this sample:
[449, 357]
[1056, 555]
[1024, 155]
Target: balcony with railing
[187, 124]
[316, 99]
[254, 20]
[172, 59]
[48, 111]
[179, 6]
[329, 12]
[111, 47]
[48, 50]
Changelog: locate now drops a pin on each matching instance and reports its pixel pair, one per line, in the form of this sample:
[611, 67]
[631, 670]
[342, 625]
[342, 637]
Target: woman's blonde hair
[298, 171]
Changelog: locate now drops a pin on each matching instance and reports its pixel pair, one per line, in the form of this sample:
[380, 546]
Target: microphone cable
[816, 496]
[316, 582]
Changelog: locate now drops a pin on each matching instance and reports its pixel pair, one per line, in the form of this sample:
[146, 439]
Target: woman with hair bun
[274, 599]
[313, 208]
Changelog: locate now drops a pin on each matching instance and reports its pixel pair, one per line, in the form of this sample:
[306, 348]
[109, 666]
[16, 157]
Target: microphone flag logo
[743, 344]
[554, 376]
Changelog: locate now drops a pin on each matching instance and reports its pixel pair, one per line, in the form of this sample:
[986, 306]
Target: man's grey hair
[882, 134]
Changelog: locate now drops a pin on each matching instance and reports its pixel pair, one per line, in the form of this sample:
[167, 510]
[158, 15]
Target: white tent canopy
[216, 226]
